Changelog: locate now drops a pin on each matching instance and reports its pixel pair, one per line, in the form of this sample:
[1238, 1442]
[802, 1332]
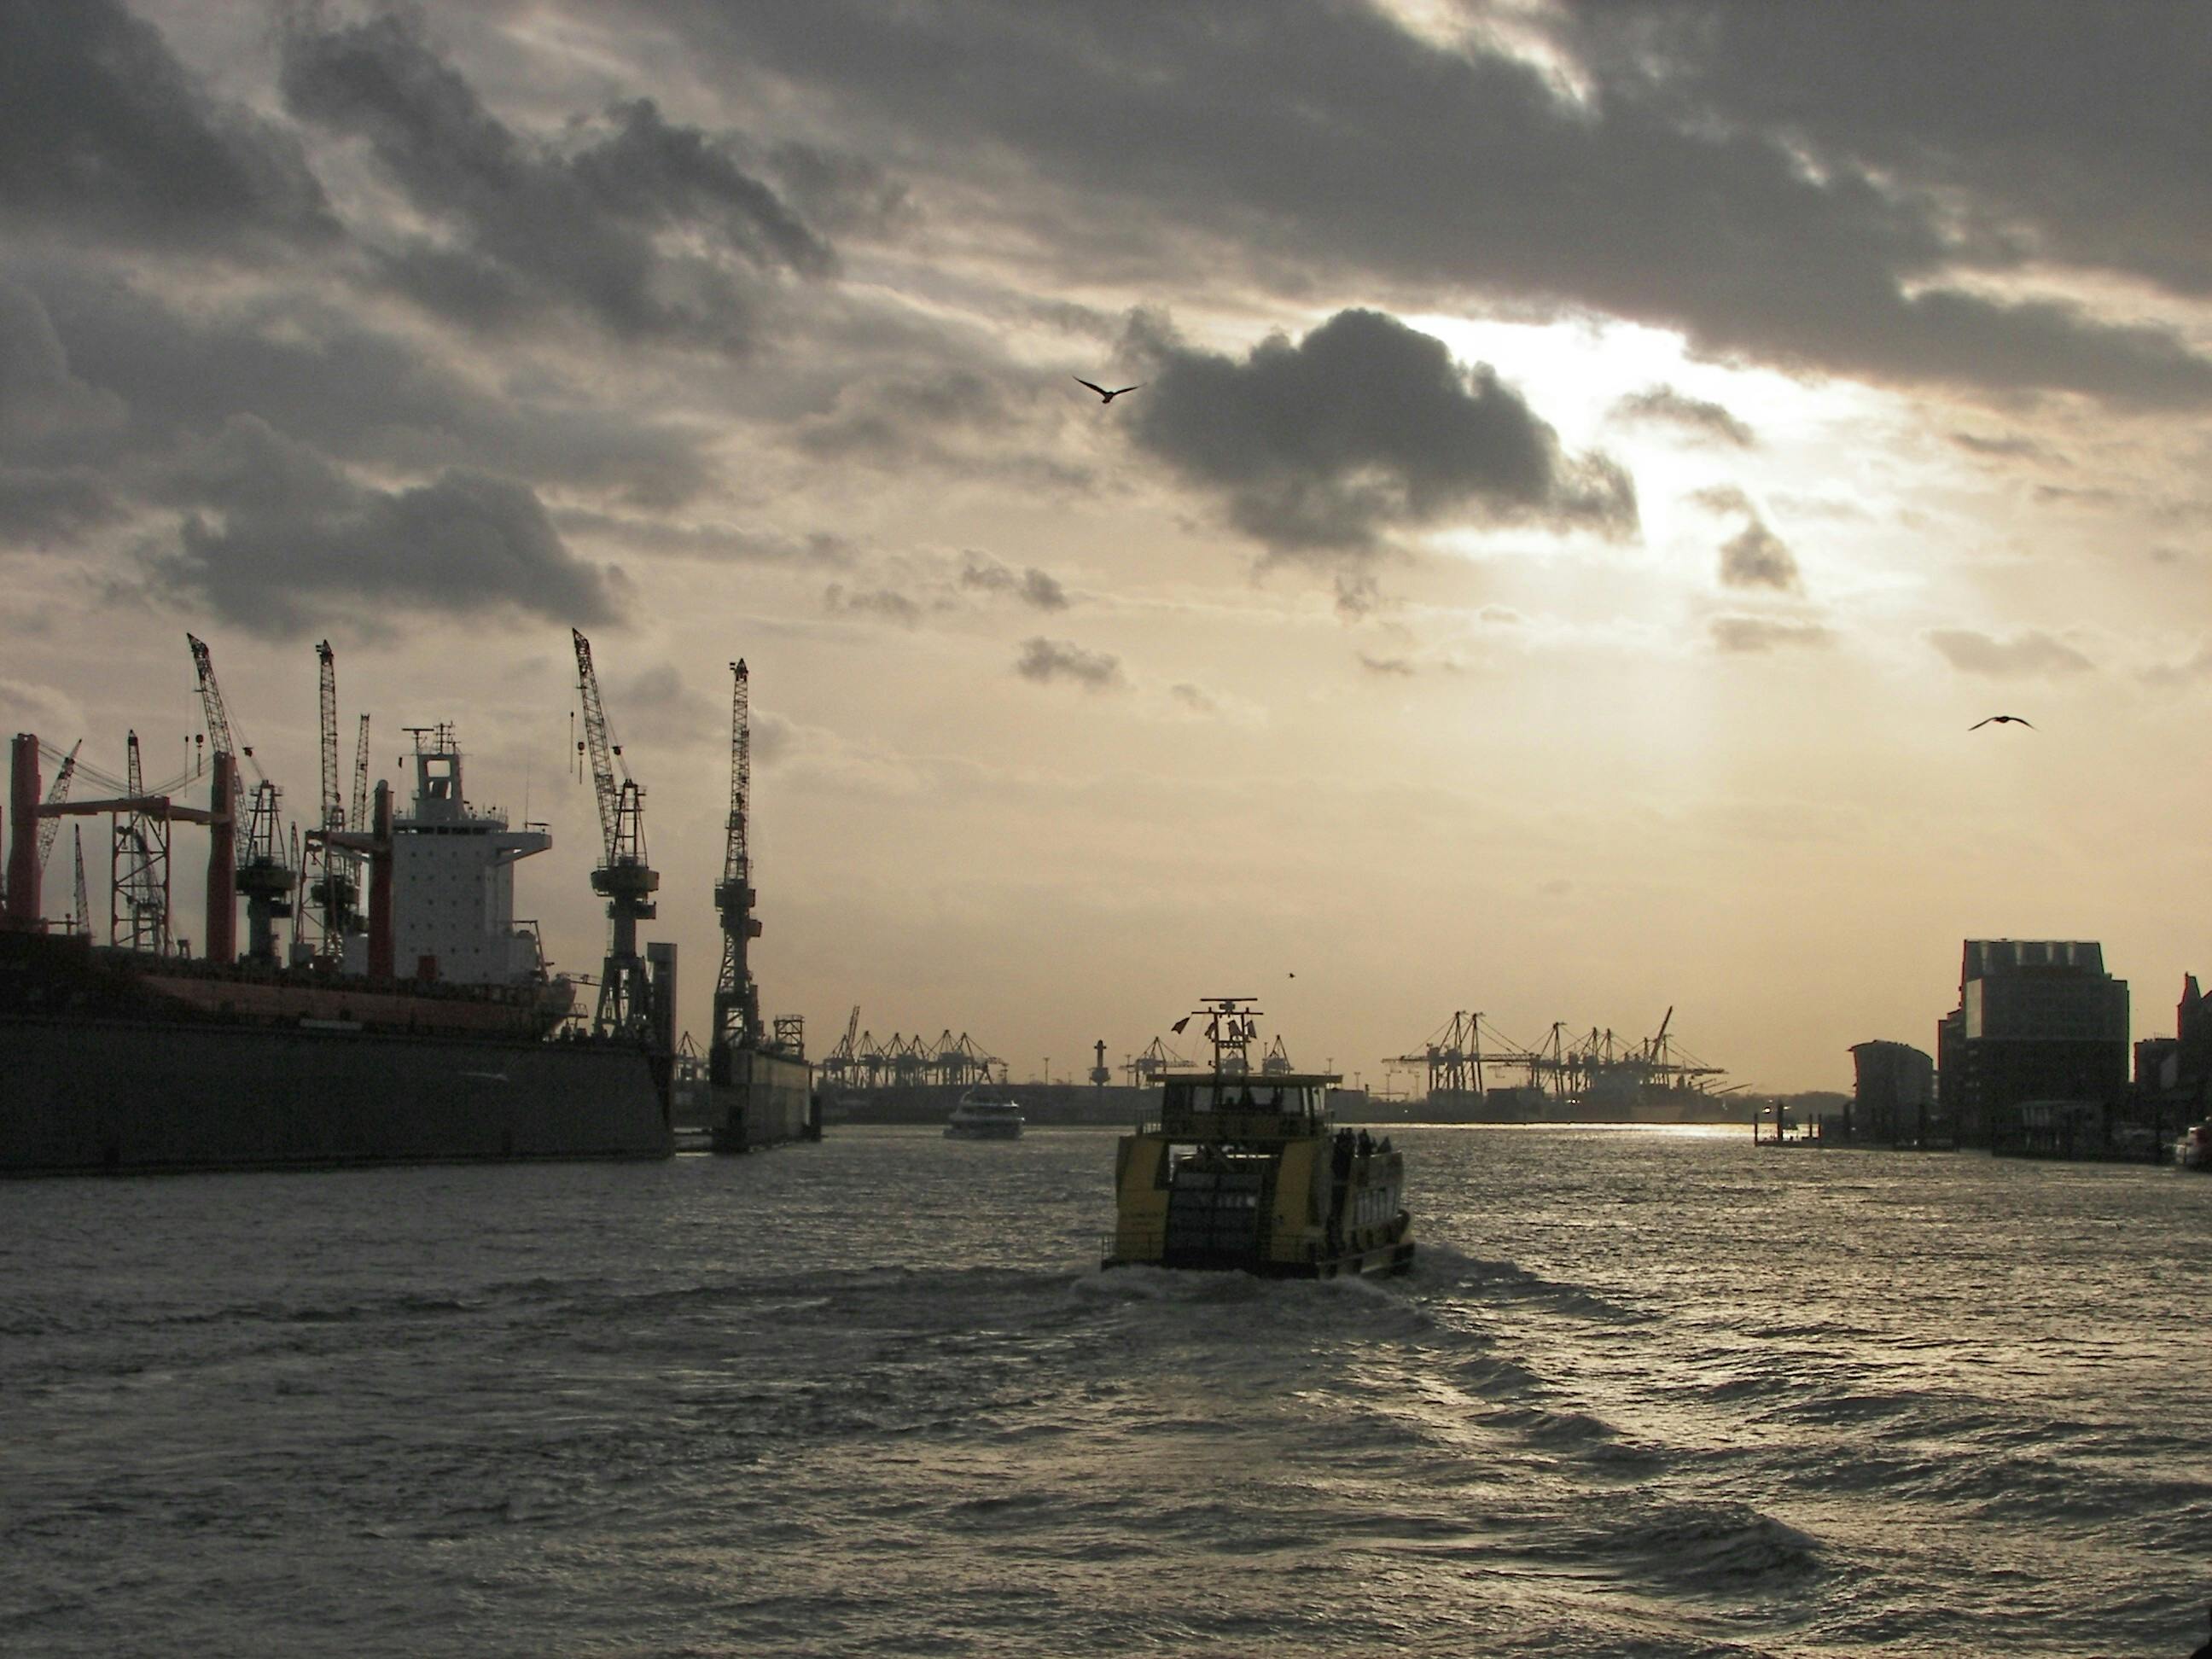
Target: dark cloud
[1364, 427]
[2055, 494]
[657, 699]
[1718, 170]
[907, 418]
[278, 535]
[2033, 654]
[722, 542]
[1032, 586]
[1046, 661]
[1195, 698]
[1756, 557]
[885, 602]
[1760, 634]
[42, 399]
[1663, 405]
[2010, 447]
[1401, 667]
[44, 508]
[649, 228]
[2069, 130]
[1358, 595]
[841, 192]
[316, 373]
[102, 131]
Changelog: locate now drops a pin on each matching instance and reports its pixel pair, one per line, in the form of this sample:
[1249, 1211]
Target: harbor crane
[57, 792]
[139, 872]
[358, 815]
[258, 871]
[625, 1007]
[1453, 1057]
[83, 908]
[736, 998]
[332, 875]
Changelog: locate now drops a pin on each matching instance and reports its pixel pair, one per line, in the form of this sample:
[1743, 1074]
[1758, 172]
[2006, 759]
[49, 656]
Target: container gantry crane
[258, 869]
[736, 998]
[625, 1008]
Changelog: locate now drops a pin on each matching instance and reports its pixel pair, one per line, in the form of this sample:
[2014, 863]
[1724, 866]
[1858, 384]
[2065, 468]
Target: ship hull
[769, 1100]
[1384, 1261]
[85, 1096]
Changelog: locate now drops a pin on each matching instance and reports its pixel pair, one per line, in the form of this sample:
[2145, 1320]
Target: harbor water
[1647, 1392]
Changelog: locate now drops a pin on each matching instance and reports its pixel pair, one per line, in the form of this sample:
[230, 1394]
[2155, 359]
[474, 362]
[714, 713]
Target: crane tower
[57, 792]
[737, 998]
[334, 884]
[259, 870]
[139, 861]
[628, 881]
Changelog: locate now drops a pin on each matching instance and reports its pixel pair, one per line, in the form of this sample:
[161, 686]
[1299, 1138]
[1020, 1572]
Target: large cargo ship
[139, 1058]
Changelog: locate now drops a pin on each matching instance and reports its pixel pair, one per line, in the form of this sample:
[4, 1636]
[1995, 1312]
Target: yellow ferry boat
[1242, 1169]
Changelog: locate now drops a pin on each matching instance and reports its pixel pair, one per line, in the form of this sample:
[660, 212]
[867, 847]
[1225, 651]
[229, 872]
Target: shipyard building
[2038, 1021]
[1893, 1096]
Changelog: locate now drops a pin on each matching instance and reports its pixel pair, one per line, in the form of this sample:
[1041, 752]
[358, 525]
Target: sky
[1589, 468]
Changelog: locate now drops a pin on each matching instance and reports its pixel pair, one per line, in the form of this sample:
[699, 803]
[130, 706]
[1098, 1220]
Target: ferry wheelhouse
[1242, 1169]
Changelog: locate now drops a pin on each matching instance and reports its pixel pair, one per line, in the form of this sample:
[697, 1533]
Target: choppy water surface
[1648, 1392]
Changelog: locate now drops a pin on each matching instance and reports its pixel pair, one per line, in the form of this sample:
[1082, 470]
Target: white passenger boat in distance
[982, 1114]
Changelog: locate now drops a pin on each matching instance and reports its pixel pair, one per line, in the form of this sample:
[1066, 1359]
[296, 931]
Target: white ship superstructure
[453, 881]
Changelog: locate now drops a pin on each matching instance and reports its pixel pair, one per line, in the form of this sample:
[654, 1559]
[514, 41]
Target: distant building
[1894, 1097]
[2037, 1020]
[2177, 1071]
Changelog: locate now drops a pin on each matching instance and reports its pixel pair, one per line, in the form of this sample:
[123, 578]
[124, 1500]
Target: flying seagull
[1104, 396]
[2002, 720]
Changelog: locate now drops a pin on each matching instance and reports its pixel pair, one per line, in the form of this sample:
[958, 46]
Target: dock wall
[87, 1096]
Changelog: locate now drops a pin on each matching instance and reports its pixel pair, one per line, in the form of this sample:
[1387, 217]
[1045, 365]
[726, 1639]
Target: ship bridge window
[1295, 1100]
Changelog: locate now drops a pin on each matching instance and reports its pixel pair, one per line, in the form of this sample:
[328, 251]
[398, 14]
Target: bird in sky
[1104, 396]
[2002, 720]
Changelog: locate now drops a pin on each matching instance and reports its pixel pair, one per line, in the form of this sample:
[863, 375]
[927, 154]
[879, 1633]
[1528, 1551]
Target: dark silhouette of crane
[736, 998]
[259, 872]
[335, 886]
[83, 907]
[57, 792]
[625, 1008]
